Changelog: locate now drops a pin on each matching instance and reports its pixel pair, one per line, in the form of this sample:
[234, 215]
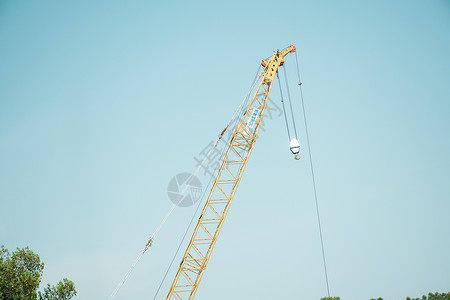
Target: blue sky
[103, 102]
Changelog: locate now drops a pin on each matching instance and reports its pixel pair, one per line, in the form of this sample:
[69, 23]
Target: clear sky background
[103, 102]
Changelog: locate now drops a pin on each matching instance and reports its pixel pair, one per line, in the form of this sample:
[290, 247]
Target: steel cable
[313, 178]
[238, 112]
[188, 227]
[289, 99]
[284, 109]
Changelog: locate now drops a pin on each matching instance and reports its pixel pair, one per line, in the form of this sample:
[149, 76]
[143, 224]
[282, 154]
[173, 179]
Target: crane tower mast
[225, 183]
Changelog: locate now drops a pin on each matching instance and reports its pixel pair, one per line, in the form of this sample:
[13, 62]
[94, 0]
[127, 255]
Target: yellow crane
[226, 181]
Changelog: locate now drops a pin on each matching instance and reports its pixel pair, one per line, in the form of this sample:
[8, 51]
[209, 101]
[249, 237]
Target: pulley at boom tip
[265, 62]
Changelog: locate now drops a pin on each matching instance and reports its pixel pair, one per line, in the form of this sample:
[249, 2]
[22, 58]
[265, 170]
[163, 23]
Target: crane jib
[223, 188]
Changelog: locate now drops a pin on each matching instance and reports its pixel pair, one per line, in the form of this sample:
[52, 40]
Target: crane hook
[294, 145]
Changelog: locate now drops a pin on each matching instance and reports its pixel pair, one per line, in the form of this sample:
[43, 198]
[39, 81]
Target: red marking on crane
[281, 99]
[264, 62]
[300, 83]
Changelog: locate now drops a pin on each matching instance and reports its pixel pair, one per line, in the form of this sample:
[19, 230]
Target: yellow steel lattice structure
[227, 179]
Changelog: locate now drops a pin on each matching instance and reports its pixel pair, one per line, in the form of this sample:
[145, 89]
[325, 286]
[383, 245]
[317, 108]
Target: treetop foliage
[20, 276]
[431, 296]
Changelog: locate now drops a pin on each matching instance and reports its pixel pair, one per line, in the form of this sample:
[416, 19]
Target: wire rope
[290, 101]
[188, 227]
[284, 109]
[243, 109]
[313, 178]
[239, 115]
[242, 106]
[150, 241]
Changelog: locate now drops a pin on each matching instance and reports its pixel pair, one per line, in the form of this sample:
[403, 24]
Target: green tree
[64, 290]
[331, 298]
[20, 276]
[431, 296]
